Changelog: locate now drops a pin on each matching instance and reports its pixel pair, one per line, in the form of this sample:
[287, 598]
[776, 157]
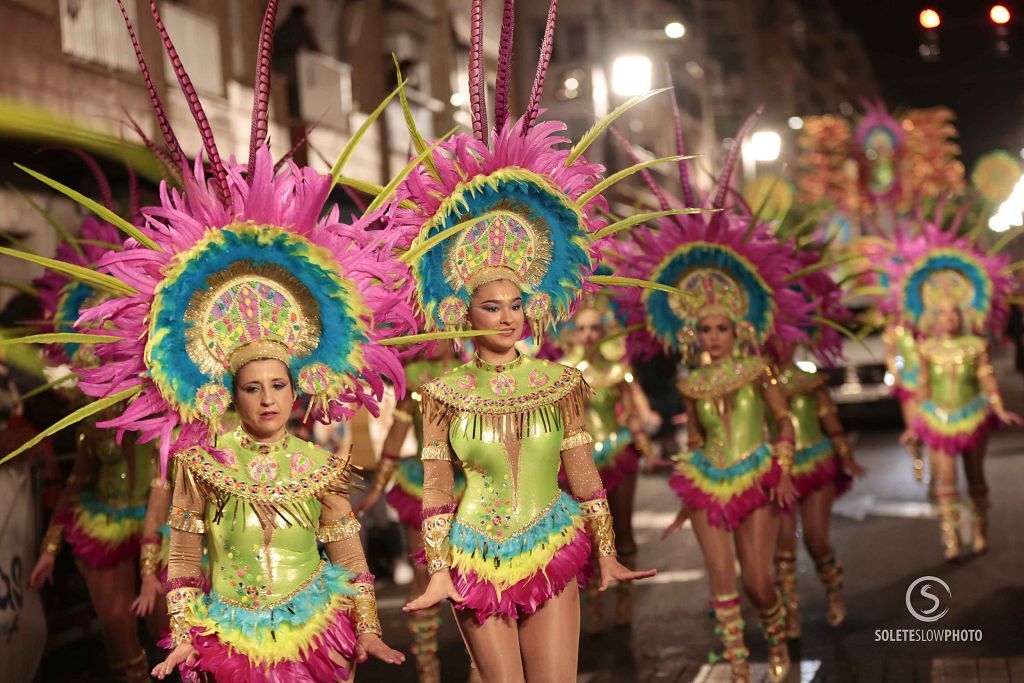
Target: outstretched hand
[370, 645]
[184, 653]
[42, 573]
[367, 502]
[677, 523]
[440, 588]
[613, 570]
[149, 593]
[1008, 418]
[908, 438]
[784, 493]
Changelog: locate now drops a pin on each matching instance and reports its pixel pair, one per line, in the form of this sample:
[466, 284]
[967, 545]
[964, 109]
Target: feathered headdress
[728, 264]
[508, 202]
[880, 140]
[239, 265]
[944, 271]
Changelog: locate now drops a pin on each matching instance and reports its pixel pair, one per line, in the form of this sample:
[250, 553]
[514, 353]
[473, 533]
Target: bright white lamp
[631, 75]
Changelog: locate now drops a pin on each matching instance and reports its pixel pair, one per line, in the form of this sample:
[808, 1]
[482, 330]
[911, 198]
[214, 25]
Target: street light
[998, 14]
[765, 145]
[930, 19]
[795, 122]
[631, 75]
[675, 30]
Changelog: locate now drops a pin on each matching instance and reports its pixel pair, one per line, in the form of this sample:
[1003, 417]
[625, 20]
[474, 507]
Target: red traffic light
[999, 14]
[930, 19]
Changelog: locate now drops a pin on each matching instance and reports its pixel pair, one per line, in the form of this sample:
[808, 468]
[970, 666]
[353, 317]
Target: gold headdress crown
[502, 245]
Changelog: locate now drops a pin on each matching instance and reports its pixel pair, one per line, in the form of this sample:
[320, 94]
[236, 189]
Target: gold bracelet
[385, 472]
[575, 439]
[598, 519]
[783, 415]
[401, 416]
[149, 559]
[338, 529]
[365, 603]
[996, 402]
[189, 521]
[785, 453]
[52, 539]
[179, 613]
[436, 450]
[985, 370]
[436, 544]
[159, 483]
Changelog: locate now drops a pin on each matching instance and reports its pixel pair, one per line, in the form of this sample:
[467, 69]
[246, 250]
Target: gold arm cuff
[436, 450]
[985, 370]
[385, 473]
[785, 453]
[52, 539]
[783, 415]
[189, 521]
[149, 559]
[575, 439]
[365, 603]
[826, 409]
[179, 612]
[598, 518]
[402, 416]
[995, 401]
[338, 529]
[436, 545]
[159, 483]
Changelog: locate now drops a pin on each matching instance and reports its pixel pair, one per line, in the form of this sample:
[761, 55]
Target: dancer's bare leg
[785, 573]
[977, 486]
[494, 646]
[621, 503]
[550, 638]
[756, 537]
[949, 503]
[112, 591]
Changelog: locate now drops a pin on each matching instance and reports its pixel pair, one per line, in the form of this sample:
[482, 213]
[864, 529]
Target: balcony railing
[325, 90]
[197, 39]
[93, 31]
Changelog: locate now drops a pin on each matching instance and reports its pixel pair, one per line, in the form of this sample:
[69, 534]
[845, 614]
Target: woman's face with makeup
[498, 306]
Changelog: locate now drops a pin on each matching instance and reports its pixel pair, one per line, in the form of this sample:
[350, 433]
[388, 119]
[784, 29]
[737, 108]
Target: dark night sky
[986, 91]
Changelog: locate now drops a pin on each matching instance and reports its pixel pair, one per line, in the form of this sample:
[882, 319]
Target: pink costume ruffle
[572, 561]
[902, 394]
[407, 506]
[953, 445]
[737, 508]
[827, 471]
[218, 660]
[91, 551]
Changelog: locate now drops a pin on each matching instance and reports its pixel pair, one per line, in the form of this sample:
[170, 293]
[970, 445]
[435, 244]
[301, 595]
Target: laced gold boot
[423, 626]
[133, 670]
[785, 581]
[624, 593]
[979, 507]
[594, 612]
[773, 622]
[949, 507]
[831, 572]
[730, 630]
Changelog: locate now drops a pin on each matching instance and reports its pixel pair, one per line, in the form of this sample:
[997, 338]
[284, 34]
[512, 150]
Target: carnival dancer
[241, 290]
[405, 496]
[952, 290]
[102, 505]
[734, 279]
[504, 234]
[823, 465]
[614, 421]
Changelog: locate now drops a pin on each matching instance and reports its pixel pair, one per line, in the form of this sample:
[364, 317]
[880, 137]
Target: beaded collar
[722, 378]
[497, 367]
[263, 448]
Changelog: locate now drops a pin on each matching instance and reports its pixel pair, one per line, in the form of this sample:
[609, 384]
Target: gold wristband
[52, 539]
[598, 518]
[783, 415]
[436, 545]
[436, 450]
[785, 453]
[385, 473]
[189, 521]
[179, 612]
[575, 439]
[365, 603]
[996, 402]
[159, 483]
[338, 529]
[401, 416]
[149, 559]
